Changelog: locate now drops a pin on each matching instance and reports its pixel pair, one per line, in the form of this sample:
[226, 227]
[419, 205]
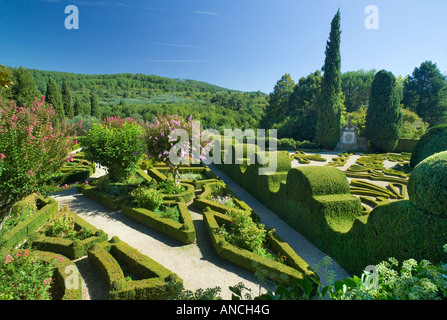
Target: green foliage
[119, 148]
[412, 281]
[356, 86]
[433, 141]
[413, 127]
[24, 90]
[94, 103]
[66, 100]
[169, 212]
[147, 198]
[278, 101]
[427, 186]
[24, 277]
[244, 233]
[62, 225]
[53, 97]
[384, 117]
[425, 92]
[329, 101]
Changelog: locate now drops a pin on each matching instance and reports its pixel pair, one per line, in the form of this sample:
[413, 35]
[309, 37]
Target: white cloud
[207, 13]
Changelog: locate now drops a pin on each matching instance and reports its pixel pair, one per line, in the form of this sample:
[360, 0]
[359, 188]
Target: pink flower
[2, 156]
[86, 182]
[8, 259]
[31, 172]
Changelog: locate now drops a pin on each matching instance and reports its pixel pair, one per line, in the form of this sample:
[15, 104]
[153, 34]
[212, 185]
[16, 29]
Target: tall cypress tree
[66, 100]
[95, 112]
[25, 90]
[53, 96]
[384, 115]
[78, 106]
[330, 101]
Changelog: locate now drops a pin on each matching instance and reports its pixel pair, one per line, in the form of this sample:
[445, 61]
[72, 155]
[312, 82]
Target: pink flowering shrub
[33, 146]
[160, 144]
[116, 144]
[24, 277]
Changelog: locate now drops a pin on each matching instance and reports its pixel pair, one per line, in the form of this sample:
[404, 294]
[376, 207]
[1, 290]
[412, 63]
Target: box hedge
[184, 231]
[47, 208]
[295, 267]
[155, 281]
[433, 141]
[72, 249]
[65, 271]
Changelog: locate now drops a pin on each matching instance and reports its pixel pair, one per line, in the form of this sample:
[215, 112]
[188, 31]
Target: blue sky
[238, 44]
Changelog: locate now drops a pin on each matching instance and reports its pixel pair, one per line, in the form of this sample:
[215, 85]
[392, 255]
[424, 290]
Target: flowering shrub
[160, 142]
[116, 144]
[24, 277]
[224, 200]
[33, 146]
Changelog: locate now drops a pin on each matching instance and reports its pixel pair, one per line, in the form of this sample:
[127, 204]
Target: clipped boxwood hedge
[48, 208]
[64, 274]
[427, 186]
[433, 141]
[155, 281]
[295, 267]
[184, 232]
[186, 196]
[110, 201]
[69, 248]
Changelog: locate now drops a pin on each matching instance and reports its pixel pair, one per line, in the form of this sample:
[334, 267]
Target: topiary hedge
[427, 186]
[433, 141]
[154, 282]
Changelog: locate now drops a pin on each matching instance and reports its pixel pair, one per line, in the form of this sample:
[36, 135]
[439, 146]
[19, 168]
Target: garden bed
[294, 267]
[183, 231]
[142, 277]
[71, 248]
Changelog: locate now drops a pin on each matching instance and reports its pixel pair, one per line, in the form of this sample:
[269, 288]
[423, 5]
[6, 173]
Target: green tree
[356, 87]
[384, 115]
[53, 97]
[25, 90]
[278, 101]
[301, 109]
[78, 106]
[425, 92]
[95, 112]
[66, 98]
[330, 99]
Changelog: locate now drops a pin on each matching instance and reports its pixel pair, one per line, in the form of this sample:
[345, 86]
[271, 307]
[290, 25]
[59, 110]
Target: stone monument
[349, 139]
